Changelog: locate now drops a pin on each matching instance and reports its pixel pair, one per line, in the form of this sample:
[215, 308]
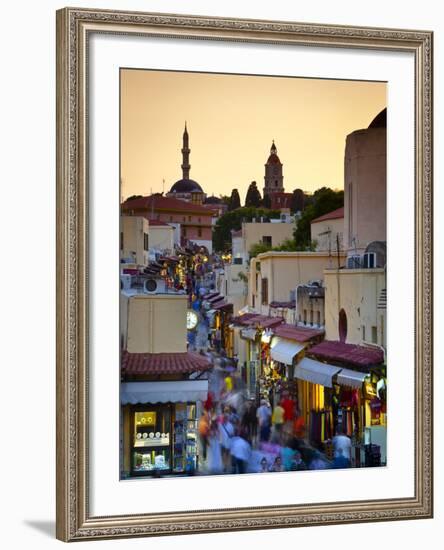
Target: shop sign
[369, 390]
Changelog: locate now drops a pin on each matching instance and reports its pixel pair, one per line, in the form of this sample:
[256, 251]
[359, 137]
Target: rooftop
[157, 223]
[288, 305]
[162, 363]
[158, 202]
[334, 215]
[360, 356]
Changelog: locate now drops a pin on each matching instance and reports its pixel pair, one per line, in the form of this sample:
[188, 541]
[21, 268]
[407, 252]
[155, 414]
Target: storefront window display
[151, 439]
[164, 439]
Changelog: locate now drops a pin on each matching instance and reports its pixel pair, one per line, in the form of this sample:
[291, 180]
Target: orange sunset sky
[232, 120]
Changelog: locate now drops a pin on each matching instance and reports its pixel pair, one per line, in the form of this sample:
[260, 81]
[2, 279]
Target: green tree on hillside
[297, 201]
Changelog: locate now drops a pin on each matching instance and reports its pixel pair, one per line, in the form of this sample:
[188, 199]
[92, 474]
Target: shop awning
[180, 391]
[352, 378]
[248, 333]
[284, 350]
[315, 372]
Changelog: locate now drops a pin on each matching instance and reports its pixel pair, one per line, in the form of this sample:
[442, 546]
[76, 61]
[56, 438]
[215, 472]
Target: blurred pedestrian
[215, 465]
[277, 465]
[342, 444]
[226, 432]
[263, 414]
[299, 425]
[264, 467]
[340, 461]
[204, 431]
[277, 420]
[287, 456]
[297, 463]
[288, 404]
[317, 463]
[249, 421]
[240, 453]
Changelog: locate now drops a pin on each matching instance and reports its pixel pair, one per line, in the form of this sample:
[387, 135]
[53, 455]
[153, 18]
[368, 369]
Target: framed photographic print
[244, 274]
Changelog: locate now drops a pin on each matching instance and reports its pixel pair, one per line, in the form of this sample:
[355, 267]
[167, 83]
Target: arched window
[342, 326]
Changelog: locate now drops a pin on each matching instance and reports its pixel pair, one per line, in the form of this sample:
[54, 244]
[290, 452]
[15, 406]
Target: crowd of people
[239, 435]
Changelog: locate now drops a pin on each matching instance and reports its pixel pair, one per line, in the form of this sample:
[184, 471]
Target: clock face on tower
[192, 319]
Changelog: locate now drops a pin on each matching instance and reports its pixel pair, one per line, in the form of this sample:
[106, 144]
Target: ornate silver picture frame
[74, 519]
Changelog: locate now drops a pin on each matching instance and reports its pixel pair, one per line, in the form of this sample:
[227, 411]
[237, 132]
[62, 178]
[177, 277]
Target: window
[145, 241]
[363, 332]
[305, 316]
[374, 335]
[382, 330]
[342, 326]
[184, 231]
[318, 313]
[199, 232]
[189, 218]
[311, 317]
[266, 239]
[184, 219]
[237, 261]
[151, 439]
[264, 289]
[121, 240]
[198, 219]
[171, 218]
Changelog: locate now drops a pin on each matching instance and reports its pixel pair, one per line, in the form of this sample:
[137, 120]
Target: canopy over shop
[161, 395]
[340, 393]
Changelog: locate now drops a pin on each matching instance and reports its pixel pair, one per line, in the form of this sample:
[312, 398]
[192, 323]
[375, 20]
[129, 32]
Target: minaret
[274, 179]
[185, 156]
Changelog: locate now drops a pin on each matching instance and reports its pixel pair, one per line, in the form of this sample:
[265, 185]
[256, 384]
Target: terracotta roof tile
[162, 363]
[334, 215]
[157, 202]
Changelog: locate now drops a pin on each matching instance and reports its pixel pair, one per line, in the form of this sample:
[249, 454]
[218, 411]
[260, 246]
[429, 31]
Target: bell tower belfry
[274, 179]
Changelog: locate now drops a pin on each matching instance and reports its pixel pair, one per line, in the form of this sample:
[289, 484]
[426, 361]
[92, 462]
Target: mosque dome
[186, 186]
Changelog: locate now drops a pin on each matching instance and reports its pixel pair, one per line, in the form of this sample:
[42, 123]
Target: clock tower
[274, 179]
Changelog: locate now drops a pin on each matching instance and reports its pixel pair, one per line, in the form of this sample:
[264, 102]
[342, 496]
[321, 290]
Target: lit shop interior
[161, 439]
